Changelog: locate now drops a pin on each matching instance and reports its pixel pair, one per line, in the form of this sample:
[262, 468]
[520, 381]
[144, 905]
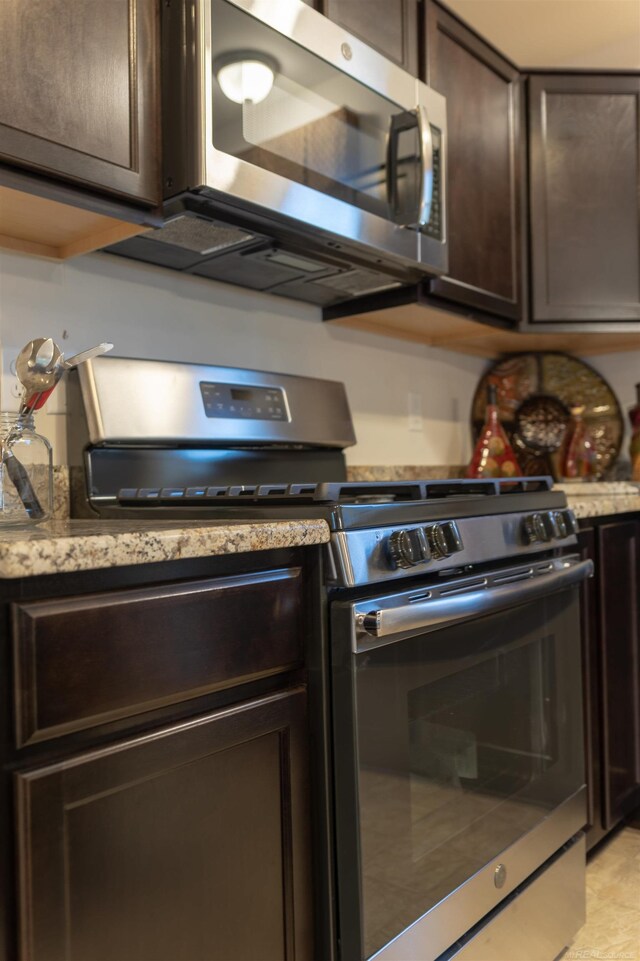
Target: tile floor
[612, 931]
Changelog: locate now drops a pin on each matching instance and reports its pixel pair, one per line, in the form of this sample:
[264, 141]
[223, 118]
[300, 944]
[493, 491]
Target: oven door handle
[439, 611]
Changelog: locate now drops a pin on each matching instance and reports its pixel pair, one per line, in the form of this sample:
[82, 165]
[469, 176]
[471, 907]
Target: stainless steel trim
[435, 932]
[159, 403]
[426, 169]
[239, 182]
[374, 624]
[362, 556]
[539, 920]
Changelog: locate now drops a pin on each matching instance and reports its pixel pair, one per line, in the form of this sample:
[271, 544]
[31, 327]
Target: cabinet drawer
[82, 661]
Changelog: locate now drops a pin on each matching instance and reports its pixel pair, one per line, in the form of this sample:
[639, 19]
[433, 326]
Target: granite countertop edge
[61, 547]
[600, 505]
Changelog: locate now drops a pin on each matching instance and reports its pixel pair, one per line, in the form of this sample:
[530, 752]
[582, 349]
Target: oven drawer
[538, 920]
[83, 661]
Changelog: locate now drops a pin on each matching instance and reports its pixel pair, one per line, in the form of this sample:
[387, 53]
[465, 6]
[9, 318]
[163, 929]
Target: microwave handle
[426, 168]
[382, 624]
[408, 120]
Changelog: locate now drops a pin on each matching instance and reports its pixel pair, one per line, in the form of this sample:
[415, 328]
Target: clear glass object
[26, 472]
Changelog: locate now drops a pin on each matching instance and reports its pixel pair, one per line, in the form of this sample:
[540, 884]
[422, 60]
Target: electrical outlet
[416, 421]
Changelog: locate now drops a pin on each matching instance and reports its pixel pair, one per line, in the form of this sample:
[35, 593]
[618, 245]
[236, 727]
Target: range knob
[561, 524]
[570, 521]
[444, 539]
[550, 525]
[408, 548]
[533, 529]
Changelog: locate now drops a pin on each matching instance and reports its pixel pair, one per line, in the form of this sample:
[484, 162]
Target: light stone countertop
[597, 499]
[60, 547]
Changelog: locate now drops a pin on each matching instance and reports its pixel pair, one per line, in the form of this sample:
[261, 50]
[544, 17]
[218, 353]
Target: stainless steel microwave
[296, 158]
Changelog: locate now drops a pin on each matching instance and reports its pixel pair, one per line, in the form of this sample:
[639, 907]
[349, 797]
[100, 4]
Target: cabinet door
[80, 93]
[486, 157]
[185, 844]
[391, 26]
[585, 203]
[620, 667]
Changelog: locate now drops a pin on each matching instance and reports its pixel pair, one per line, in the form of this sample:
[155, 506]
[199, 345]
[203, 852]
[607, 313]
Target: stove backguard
[145, 423]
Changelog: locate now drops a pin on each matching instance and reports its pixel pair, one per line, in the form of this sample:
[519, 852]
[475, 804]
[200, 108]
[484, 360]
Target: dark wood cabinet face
[185, 844]
[391, 26]
[619, 584]
[485, 167]
[585, 206]
[80, 661]
[80, 93]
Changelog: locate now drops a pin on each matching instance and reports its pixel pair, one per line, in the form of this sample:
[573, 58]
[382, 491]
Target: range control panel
[243, 401]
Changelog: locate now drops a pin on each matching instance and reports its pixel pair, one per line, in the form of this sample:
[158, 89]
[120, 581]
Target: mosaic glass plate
[535, 393]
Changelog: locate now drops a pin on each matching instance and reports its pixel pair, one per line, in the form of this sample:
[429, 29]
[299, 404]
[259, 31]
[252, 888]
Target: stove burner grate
[374, 493]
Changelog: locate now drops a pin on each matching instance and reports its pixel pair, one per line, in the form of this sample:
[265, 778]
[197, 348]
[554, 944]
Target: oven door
[458, 751]
[303, 120]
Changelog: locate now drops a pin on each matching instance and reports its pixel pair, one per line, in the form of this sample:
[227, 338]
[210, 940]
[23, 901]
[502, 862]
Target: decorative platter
[535, 394]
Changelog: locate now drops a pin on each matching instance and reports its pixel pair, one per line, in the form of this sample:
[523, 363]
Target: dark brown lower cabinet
[155, 763]
[620, 656]
[187, 844]
[611, 650]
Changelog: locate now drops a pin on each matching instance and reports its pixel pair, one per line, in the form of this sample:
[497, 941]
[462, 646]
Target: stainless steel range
[453, 715]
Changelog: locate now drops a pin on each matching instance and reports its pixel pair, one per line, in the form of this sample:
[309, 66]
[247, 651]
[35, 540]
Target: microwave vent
[201, 236]
[359, 281]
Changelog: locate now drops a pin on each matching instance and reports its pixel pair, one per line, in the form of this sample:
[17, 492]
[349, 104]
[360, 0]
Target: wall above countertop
[149, 312]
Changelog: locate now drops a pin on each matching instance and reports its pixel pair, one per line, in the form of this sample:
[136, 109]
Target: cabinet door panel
[620, 666]
[81, 661]
[185, 844]
[391, 26]
[585, 207]
[485, 167]
[80, 92]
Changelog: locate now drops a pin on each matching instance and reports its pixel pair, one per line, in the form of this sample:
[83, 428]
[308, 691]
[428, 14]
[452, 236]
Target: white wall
[153, 312]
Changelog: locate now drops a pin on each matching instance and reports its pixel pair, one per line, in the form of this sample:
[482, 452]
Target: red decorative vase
[493, 455]
[581, 458]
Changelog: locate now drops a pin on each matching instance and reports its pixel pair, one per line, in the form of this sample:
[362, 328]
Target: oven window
[316, 126]
[477, 743]
[467, 738]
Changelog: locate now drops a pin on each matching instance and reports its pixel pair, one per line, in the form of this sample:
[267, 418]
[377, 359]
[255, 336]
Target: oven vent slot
[512, 576]
[415, 598]
[477, 585]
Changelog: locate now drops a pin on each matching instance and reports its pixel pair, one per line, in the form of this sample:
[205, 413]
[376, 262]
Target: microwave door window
[284, 110]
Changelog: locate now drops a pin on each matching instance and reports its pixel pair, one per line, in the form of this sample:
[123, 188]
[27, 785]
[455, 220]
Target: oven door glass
[465, 739]
[316, 126]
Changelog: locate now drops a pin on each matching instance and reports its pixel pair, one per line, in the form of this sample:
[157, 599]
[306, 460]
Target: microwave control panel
[243, 401]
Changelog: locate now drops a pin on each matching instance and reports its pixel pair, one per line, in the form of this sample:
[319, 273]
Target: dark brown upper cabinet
[585, 198]
[391, 26]
[486, 167]
[80, 99]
